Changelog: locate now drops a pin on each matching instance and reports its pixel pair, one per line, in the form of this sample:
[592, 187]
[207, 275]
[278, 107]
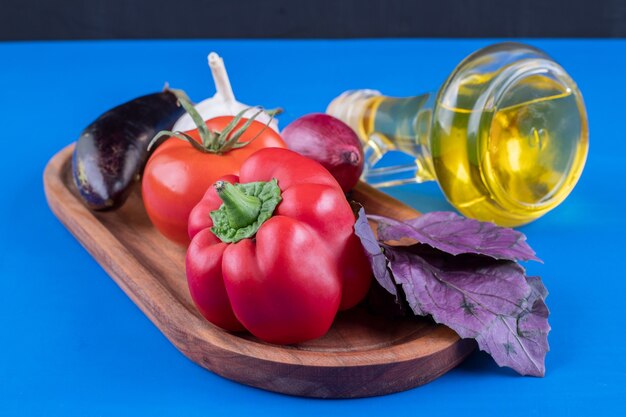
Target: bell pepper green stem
[242, 210]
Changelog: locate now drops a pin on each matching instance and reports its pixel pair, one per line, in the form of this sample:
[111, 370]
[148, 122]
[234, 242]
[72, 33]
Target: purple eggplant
[111, 152]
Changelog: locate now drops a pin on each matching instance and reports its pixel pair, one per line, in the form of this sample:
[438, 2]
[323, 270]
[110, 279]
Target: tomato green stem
[210, 141]
[241, 209]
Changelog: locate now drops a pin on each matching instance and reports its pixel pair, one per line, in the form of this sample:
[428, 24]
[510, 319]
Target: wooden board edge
[350, 381]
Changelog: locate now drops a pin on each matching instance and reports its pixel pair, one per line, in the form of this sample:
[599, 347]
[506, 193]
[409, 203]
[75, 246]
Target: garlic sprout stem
[220, 77]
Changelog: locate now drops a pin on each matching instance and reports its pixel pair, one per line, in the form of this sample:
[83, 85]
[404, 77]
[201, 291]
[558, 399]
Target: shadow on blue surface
[481, 363]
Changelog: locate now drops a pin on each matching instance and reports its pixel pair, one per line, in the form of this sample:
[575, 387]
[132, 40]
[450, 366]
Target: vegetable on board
[223, 103]
[330, 142]
[274, 250]
[111, 152]
[180, 171]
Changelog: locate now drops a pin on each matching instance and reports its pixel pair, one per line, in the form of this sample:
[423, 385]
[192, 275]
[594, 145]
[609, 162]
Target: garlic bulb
[223, 103]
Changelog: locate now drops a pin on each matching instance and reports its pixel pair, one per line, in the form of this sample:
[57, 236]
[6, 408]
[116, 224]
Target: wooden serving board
[362, 355]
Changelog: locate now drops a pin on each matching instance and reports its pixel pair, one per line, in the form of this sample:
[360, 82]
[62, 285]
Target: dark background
[115, 19]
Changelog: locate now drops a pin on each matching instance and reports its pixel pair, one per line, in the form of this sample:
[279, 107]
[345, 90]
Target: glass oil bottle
[506, 136]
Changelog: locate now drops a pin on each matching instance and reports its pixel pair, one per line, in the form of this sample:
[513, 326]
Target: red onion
[330, 142]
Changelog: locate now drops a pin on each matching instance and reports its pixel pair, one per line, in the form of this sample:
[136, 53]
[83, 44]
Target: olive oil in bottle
[505, 137]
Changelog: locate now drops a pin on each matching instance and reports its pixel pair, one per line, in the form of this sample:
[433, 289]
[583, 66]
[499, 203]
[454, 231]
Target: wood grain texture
[362, 355]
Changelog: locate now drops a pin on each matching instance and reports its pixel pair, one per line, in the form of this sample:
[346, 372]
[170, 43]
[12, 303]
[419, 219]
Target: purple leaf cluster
[465, 276]
[454, 234]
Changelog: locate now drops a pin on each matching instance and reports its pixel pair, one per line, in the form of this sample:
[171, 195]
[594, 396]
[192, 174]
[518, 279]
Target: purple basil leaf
[378, 260]
[487, 300]
[455, 234]
[537, 285]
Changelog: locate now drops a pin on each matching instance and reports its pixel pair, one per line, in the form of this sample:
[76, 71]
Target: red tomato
[177, 175]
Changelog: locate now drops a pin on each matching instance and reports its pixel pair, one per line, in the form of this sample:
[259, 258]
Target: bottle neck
[387, 124]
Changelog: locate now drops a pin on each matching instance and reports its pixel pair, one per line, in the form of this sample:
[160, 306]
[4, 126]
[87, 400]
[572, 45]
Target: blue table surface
[72, 343]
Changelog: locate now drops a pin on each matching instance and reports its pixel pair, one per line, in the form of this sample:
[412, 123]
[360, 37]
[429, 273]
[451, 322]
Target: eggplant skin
[111, 152]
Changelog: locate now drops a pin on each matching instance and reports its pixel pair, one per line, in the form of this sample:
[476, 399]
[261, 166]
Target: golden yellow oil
[517, 162]
[508, 164]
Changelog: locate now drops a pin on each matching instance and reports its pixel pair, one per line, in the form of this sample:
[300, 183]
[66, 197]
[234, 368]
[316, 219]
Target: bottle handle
[374, 150]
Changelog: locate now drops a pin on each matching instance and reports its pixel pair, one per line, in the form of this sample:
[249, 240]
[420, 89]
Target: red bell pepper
[273, 251]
